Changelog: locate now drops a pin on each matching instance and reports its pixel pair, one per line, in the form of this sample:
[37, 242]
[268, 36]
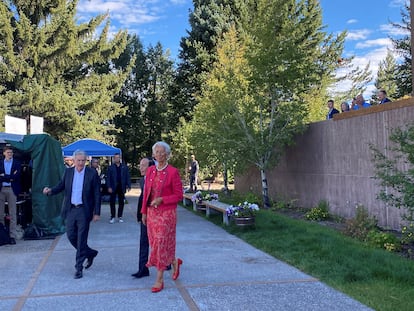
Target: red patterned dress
[161, 226]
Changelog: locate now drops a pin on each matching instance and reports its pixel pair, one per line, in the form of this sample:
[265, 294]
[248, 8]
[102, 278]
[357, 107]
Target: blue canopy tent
[92, 147]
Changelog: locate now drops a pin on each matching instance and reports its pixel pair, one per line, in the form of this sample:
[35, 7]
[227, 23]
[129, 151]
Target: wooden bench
[210, 205]
[187, 198]
[219, 207]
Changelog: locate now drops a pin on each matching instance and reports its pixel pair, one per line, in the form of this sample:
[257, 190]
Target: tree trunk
[265, 193]
[225, 177]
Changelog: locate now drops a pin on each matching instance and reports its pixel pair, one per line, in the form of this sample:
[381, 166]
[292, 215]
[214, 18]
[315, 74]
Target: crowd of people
[357, 103]
[161, 190]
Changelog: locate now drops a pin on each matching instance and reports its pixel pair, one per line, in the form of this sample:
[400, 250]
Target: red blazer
[171, 192]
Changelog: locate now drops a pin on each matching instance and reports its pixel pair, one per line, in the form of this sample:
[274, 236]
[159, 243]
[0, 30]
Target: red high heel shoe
[176, 274]
[157, 289]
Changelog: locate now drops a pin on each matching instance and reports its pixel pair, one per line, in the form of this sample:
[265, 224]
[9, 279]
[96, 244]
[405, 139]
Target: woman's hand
[144, 219]
[156, 202]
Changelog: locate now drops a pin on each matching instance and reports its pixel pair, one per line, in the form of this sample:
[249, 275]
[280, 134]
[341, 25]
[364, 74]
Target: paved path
[220, 272]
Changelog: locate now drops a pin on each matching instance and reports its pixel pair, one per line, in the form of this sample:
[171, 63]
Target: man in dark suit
[332, 109]
[118, 183]
[143, 242]
[10, 170]
[81, 205]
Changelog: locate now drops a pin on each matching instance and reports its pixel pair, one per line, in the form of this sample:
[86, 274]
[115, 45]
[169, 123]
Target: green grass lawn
[375, 277]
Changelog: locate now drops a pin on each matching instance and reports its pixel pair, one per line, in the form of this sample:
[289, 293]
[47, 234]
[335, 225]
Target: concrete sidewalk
[220, 272]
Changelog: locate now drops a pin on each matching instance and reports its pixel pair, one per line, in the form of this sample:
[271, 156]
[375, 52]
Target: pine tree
[403, 47]
[145, 96]
[52, 67]
[386, 78]
[208, 21]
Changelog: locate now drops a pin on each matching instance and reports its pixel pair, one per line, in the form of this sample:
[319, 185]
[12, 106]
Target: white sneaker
[120, 219]
[112, 220]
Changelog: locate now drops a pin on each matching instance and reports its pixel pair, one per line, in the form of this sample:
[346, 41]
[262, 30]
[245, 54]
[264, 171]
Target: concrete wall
[332, 161]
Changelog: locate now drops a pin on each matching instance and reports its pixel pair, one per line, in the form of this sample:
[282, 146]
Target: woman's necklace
[160, 169]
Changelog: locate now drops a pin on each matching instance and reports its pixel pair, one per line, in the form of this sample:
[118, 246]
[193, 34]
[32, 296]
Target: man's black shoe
[168, 267]
[12, 241]
[140, 274]
[78, 274]
[89, 263]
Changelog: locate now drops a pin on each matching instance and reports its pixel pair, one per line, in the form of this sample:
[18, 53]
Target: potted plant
[243, 213]
[197, 198]
[210, 197]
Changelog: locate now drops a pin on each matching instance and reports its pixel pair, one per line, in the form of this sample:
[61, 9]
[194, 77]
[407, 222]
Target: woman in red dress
[162, 192]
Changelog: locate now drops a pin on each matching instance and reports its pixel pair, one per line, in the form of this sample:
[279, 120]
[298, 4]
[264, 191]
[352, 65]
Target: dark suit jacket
[331, 113]
[139, 207]
[13, 178]
[90, 193]
[125, 179]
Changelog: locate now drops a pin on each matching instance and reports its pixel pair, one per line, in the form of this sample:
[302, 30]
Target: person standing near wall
[332, 109]
[119, 183]
[10, 170]
[194, 168]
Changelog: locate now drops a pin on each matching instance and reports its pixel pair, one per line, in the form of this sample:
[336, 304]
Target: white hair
[79, 152]
[163, 144]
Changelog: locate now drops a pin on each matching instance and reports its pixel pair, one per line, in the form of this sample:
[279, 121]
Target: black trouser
[193, 183]
[77, 230]
[143, 248]
[121, 197]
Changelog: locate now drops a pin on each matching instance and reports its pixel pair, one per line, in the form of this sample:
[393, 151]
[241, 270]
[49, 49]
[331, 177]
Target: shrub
[407, 234]
[321, 212]
[385, 240]
[361, 225]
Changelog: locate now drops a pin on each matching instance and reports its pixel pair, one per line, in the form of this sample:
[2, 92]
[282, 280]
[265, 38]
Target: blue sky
[166, 21]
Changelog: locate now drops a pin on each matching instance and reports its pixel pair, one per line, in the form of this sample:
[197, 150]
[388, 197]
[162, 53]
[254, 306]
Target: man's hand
[96, 218]
[47, 190]
[110, 190]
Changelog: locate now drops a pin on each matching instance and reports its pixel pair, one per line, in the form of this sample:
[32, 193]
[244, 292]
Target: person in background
[360, 103]
[344, 107]
[194, 168]
[81, 205]
[68, 161]
[118, 182]
[162, 192]
[143, 242]
[95, 165]
[10, 171]
[332, 109]
[382, 97]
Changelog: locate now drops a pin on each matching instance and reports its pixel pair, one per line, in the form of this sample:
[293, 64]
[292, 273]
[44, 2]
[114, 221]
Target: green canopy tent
[47, 170]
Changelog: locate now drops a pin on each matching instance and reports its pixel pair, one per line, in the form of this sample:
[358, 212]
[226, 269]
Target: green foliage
[361, 225]
[407, 233]
[386, 78]
[321, 212]
[402, 45]
[385, 240]
[369, 275]
[395, 171]
[52, 67]
[145, 96]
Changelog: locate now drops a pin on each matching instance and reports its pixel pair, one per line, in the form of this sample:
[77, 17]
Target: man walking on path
[82, 203]
[143, 242]
[118, 184]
